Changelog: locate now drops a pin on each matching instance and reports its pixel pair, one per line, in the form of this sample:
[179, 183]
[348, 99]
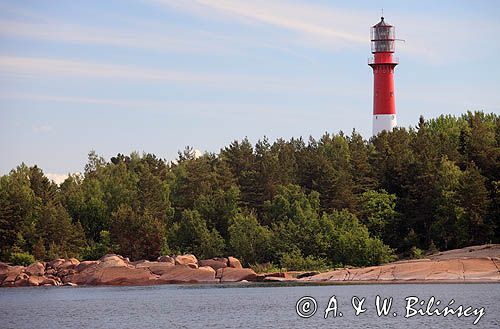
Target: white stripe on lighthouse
[383, 122]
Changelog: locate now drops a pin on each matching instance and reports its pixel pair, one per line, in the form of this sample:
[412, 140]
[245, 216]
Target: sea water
[251, 306]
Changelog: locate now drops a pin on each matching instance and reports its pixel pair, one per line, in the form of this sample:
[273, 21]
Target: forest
[297, 204]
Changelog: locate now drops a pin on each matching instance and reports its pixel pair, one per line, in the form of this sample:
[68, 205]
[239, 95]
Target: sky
[156, 76]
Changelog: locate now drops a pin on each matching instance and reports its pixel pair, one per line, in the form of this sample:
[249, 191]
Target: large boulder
[36, 280]
[69, 264]
[83, 265]
[36, 268]
[55, 263]
[50, 271]
[4, 271]
[124, 276]
[234, 262]
[22, 280]
[230, 274]
[276, 276]
[214, 263]
[189, 260]
[155, 267]
[186, 274]
[112, 260]
[100, 274]
[141, 263]
[160, 268]
[166, 259]
[51, 282]
[12, 273]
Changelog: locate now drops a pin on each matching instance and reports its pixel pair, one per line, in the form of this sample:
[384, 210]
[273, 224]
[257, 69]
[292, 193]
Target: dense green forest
[338, 200]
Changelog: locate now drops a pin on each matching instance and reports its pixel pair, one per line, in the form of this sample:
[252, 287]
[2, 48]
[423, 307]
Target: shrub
[416, 253]
[96, 250]
[265, 268]
[22, 258]
[352, 244]
[294, 261]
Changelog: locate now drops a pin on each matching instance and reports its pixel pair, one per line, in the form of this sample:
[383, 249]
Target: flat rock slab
[230, 274]
[116, 276]
[120, 276]
[215, 263]
[186, 274]
[480, 269]
[487, 250]
[455, 269]
[158, 268]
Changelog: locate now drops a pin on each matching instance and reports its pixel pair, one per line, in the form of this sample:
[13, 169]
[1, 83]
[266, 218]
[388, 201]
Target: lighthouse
[383, 63]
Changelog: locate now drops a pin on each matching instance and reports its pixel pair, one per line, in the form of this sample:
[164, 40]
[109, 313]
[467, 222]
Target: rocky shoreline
[467, 265]
[117, 270]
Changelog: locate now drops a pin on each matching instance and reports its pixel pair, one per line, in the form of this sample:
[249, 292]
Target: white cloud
[56, 178]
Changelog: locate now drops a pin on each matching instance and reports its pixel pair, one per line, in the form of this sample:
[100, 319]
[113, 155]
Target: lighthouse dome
[382, 23]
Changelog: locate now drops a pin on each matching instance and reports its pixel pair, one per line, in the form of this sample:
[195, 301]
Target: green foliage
[416, 253]
[351, 243]
[377, 211]
[335, 200]
[21, 258]
[18, 210]
[96, 250]
[137, 235]
[39, 251]
[337, 237]
[218, 208]
[475, 202]
[54, 227]
[265, 268]
[432, 249]
[248, 239]
[294, 261]
[192, 235]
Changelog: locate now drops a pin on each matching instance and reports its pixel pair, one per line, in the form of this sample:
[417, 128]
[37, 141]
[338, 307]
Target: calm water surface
[235, 306]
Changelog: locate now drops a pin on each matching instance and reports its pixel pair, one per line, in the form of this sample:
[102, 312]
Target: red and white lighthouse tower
[383, 63]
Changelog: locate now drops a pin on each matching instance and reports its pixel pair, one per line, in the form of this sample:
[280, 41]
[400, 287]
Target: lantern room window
[383, 36]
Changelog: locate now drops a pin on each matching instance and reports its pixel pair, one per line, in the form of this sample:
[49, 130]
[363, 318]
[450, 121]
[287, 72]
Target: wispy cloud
[305, 24]
[41, 129]
[305, 19]
[140, 38]
[32, 67]
[204, 108]
[428, 38]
